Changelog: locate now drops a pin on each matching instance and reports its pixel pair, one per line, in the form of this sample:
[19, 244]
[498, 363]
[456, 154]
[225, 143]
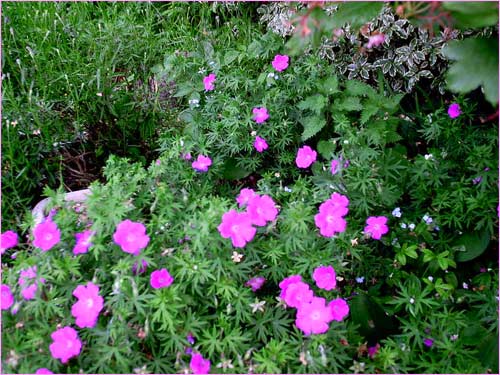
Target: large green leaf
[476, 64]
[488, 353]
[314, 103]
[356, 14]
[471, 245]
[473, 14]
[373, 322]
[312, 125]
[231, 170]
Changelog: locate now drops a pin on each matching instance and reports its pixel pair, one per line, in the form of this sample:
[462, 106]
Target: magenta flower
[28, 291]
[454, 110]
[313, 316]
[8, 240]
[286, 282]
[190, 338]
[208, 82]
[202, 163]
[375, 40]
[161, 279]
[325, 277]
[339, 309]
[329, 221]
[339, 204]
[43, 370]
[238, 227]
[372, 350]
[26, 275]
[428, 342]
[334, 166]
[131, 236]
[83, 242]
[262, 209]
[7, 297]
[305, 157]
[260, 144]
[89, 305]
[245, 196]
[376, 226]
[136, 268]
[280, 62]
[46, 235]
[260, 114]
[66, 344]
[297, 294]
[256, 283]
[186, 156]
[199, 365]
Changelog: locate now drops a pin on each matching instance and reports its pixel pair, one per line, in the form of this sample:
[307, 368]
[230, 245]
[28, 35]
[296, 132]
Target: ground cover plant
[289, 219]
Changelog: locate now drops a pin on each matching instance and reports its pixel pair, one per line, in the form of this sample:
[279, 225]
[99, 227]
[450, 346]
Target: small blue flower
[360, 279]
[396, 212]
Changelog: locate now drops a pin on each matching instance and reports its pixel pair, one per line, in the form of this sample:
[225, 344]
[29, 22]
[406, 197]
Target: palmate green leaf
[480, 53]
[312, 125]
[472, 14]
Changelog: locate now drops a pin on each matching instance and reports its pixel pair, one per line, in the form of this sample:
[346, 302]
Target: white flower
[411, 226]
[258, 306]
[430, 278]
[396, 212]
[412, 300]
[465, 286]
[428, 156]
[403, 225]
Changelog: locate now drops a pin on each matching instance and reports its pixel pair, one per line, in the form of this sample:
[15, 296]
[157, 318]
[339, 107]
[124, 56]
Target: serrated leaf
[329, 86]
[473, 245]
[368, 111]
[358, 88]
[472, 14]
[184, 89]
[482, 55]
[351, 103]
[356, 14]
[208, 49]
[326, 149]
[254, 49]
[312, 125]
[314, 103]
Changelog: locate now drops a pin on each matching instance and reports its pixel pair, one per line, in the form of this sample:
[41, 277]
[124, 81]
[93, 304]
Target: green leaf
[351, 103]
[254, 49]
[472, 245]
[329, 86]
[373, 322]
[315, 103]
[410, 251]
[326, 149]
[473, 333]
[230, 56]
[208, 49]
[482, 55]
[312, 125]
[473, 14]
[369, 110]
[185, 89]
[357, 88]
[356, 14]
[231, 170]
[488, 353]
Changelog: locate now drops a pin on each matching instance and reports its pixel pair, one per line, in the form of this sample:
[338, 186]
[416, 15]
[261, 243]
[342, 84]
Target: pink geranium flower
[238, 227]
[325, 277]
[280, 62]
[454, 110]
[161, 279]
[329, 221]
[199, 365]
[298, 293]
[372, 350]
[43, 370]
[7, 298]
[339, 309]
[136, 268]
[339, 204]
[375, 40]
[131, 236]
[261, 210]
[313, 316]
[46, 235]
[29, 292]
[285, 283]
[256, 283]
[202, 163]
[260, 144]
[260, 115]
[334, 166]
[66, 344]
[208, 82]
[376, 226]
[305, 157]
[245, 196]
[89, 305]
[26, 275]
[83, 242]
[8, 240]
